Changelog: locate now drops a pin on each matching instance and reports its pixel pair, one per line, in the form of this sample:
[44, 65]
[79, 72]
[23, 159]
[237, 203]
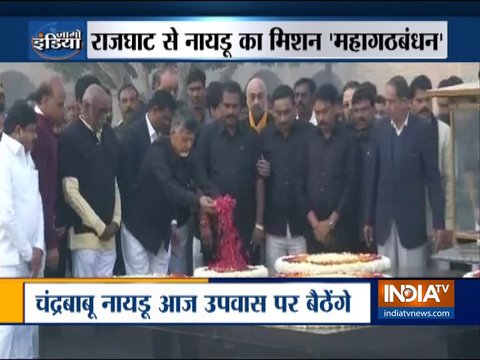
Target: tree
[113, 75]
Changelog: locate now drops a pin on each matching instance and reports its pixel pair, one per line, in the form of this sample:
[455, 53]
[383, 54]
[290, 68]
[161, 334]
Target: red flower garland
[230, 255]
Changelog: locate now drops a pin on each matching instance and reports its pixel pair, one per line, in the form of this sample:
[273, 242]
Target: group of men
[318, 171]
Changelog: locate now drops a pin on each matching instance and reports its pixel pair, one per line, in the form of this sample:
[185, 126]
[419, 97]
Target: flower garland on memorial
[230, 255]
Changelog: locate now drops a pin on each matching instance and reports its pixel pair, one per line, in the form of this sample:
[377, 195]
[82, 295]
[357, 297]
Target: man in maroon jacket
[50, 99]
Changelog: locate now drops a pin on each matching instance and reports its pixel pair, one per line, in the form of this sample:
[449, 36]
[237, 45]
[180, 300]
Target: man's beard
[257, 111]
[425, 114]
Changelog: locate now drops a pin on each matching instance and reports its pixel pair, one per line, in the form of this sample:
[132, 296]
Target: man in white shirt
[21, 220]
[421, 106]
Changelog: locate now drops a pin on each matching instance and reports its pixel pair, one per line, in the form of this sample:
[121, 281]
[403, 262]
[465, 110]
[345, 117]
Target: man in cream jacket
[88, 163]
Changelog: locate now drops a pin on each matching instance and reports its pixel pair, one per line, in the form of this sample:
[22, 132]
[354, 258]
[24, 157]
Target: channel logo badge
[416, 299]
[56, 40]
[416, 293]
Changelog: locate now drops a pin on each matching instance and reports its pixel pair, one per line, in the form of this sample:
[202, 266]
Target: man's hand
[321, 231]
[207, 204]
[368, 235]
[36, 262]
[109, 232]
[53, 257]
[334, 217]
[263, 168]
[206, 236]
[258, 236]
[448, 234]
[175, 241]
[60, 232]
[442, 240]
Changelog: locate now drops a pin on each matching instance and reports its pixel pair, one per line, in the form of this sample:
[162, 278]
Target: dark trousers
[119, 267]
[341, 240]
[64, 259]
[362, 245]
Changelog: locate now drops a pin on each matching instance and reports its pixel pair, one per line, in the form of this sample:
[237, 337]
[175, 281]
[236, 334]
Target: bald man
[257, 102]
[49, 107]
[89, 155]
[166, 79]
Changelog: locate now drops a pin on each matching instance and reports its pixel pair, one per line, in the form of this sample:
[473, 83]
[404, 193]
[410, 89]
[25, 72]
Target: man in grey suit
[404, 164]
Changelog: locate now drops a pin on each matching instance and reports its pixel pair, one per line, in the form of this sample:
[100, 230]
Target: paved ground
[90, 342]
[108, 342]
[124, 342]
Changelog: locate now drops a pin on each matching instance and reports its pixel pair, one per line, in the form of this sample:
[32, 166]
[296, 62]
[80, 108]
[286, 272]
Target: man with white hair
[89, 156]
[167, 185]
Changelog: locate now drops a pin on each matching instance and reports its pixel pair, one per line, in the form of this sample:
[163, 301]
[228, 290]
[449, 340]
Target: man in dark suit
[228, 152]
[326, 178]
[404, 162]
[363, 117]
[128, 100]
[168, 186]
[135, 143]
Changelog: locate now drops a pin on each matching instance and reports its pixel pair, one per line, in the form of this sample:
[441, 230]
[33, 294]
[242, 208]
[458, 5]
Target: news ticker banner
[210, 39]
[240, 301]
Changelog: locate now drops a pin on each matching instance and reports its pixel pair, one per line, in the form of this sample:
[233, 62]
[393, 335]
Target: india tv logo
[431, 298]
[416, 293]
[57, 41]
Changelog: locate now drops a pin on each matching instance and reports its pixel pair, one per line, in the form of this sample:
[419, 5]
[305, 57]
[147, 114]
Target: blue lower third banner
[199, 303]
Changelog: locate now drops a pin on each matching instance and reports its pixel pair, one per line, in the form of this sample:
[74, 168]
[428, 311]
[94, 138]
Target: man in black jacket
[135, 143]
[363, 116]
[280, 143]
[326, 178]
[167, 182]
[88, 163]
[228, 151]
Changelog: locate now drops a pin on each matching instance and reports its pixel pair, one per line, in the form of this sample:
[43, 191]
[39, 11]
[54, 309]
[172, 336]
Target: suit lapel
[144, 135]
[388, 145]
